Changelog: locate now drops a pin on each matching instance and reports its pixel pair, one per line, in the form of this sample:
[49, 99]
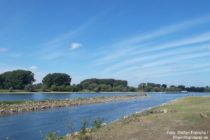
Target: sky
[160, 41]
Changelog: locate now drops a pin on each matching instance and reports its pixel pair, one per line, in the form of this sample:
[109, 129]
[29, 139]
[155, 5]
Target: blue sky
[157, 41]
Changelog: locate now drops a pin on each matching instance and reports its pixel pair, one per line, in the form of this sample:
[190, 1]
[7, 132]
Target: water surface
[44, 96]
[35, 125]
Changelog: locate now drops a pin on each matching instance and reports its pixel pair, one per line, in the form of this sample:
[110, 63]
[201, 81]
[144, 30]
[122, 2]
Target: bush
[97, 123]
[83, 128]
[29, 88]
[11, 89]
[52, 136]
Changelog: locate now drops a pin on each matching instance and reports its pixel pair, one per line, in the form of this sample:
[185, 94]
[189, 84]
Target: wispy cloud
[75, 45]
[156, 56]
[133, 42]
[165, 71]
[136, 69]
[3, 49]
[183, 72]
[33, 68]
[58, 46]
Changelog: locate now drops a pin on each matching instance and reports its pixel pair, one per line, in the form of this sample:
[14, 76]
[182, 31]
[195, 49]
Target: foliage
[17, 79]
[1, 82]
[29, 88]
[104, 85]
[97, 123]
[52, 136]
[11, 89]
[38, 86]
[83, 128]
[57, 79]
[64, 88]
[22, 79]
[152, 87]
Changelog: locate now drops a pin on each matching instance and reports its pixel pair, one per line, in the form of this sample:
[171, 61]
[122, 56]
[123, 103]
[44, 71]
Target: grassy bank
[11, 107]
[186, 118]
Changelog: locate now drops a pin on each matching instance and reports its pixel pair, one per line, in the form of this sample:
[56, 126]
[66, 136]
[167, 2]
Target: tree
[17, 79]
[182, 87]
[98, 85]
[29, 88]
[164, 86]
[1, 82]
[57, 79]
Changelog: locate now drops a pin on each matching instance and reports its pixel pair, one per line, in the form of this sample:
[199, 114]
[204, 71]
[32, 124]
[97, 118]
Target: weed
[52, 136]
[97, 123]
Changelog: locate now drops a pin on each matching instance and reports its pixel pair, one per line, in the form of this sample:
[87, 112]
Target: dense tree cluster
[23, 79]
[104, 85]
[152, 87]
[56, 79]
[16, 79]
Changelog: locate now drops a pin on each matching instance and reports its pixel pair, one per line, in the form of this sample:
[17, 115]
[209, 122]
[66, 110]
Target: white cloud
[134, 41]
[75, 45]
[3, 49]
[33, 68]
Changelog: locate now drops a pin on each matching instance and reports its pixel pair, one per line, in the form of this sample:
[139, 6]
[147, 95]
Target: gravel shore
[11, 107]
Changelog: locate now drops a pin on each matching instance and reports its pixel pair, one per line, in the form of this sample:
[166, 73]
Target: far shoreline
[62, 92]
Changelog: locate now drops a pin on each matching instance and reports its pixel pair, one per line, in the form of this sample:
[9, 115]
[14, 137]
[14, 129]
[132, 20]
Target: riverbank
[12, 107]
[53, 92]
[186, 118]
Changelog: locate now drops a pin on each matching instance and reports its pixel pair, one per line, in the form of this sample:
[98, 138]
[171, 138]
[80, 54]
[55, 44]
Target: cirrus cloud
[3, 49]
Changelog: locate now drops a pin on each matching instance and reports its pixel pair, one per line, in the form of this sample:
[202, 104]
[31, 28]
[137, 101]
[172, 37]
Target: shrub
[83, 128]
[51, 136]
[29, 88]
[97, 123]
[11, 89]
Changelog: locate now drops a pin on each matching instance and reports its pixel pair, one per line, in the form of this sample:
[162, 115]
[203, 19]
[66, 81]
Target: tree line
[152, 87]
[24, 79]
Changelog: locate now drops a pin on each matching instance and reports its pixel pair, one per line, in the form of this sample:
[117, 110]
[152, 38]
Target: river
[44, 96]
[35, 125]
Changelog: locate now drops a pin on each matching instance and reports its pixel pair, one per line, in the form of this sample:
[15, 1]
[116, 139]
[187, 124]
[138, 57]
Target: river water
[35, 125]
[43, 96]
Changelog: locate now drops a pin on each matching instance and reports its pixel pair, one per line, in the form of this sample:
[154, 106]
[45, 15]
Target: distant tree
[38, 86]
[182, 87]
[29, 88]
[142, 86]
[98, 85]
[57, 79]
[1, 82]
[132, 89]
[164, 85]
[17, 79]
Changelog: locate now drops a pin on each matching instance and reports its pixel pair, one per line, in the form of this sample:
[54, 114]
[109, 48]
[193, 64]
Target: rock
[165, 111]
[103, 124]
[203, 115]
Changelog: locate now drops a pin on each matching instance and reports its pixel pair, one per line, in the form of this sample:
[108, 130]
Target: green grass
[15, 90]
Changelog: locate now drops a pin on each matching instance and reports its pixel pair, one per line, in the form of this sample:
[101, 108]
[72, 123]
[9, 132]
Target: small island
[12, 107]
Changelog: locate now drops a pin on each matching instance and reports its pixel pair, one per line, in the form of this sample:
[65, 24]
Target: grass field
[187, 118]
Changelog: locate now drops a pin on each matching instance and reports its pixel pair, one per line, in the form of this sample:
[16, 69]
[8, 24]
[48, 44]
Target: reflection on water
[35, 125]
